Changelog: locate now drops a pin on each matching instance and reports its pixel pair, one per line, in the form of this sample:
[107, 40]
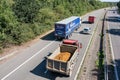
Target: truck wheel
[71, 34]
[76, 29]
[67, 37]
[57, 38]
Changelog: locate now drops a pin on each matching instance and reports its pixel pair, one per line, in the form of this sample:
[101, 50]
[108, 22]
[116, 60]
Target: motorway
[30, 63]
[114, 34]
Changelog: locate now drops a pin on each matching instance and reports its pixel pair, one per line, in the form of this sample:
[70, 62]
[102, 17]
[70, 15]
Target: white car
[87, 30]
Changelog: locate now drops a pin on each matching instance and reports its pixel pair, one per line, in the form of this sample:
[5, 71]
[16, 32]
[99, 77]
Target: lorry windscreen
[85, 29]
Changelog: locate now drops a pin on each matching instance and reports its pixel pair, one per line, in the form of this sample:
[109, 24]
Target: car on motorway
[86, 30]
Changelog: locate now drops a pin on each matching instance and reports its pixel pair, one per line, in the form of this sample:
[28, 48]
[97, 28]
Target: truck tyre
[76, 29]
[58, 38]
[71, 34]
[66, 37]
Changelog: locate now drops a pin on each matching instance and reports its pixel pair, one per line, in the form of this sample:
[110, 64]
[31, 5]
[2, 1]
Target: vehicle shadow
[100, 74]
[81, 32]
[117, 61]
[112, 19]
[40, 70]
[112, 10]
[114, 31]
[49, 36]
[111, 74]
[85, 22]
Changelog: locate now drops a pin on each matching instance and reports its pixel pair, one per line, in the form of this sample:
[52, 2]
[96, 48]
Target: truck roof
[70, 41]
[67, 20]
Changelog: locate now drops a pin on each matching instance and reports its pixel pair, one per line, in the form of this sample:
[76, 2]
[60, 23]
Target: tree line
[118, 5]
[23, 20]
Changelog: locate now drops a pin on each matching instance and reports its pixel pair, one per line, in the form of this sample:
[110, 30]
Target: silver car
[87, 30]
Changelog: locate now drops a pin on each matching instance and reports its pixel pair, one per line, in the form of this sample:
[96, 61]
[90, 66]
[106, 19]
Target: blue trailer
[64, 28]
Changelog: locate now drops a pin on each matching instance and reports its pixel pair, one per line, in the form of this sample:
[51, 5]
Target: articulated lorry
[64, 28]
[63, 59]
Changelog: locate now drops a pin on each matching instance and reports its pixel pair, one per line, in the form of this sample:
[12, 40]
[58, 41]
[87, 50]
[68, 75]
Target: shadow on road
[85, 22]
[114, 31]
[113, 19]
[112, 10]
[81, 32]
[96, 72]
[118, 63]
[49, 36]
[111, 75]
[40, 70]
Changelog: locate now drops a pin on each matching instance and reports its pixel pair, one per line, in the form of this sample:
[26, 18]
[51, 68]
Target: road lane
[35, 68]
[114, 35]
[10, 65]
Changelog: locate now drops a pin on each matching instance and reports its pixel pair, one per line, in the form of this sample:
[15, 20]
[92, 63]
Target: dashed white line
[26, 61]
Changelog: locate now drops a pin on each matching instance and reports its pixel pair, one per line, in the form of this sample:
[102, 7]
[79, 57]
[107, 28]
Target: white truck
[64, 66]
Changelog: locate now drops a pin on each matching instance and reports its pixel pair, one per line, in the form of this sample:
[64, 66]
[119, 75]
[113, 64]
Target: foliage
[8, 22]
[26, 10]
[22, 20]
[118, 5]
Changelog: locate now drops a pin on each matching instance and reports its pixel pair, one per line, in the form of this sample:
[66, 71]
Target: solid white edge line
[8, 55]
[113, 57]
[26, 61]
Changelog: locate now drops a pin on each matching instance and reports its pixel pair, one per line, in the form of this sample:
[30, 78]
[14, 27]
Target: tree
[26, 10]
[7, 23]
[118, 5]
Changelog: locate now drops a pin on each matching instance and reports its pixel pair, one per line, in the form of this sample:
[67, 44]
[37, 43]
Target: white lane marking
[8, 55]
[114, 63]
[26, 61]
[46, 71]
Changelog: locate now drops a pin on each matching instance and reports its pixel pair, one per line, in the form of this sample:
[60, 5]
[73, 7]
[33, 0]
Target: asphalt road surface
[113, 22]
[30, 63]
